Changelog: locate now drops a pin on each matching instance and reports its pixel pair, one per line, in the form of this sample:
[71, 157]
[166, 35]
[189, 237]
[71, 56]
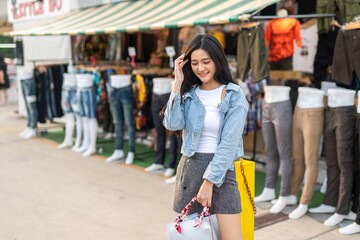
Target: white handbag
[195, 226]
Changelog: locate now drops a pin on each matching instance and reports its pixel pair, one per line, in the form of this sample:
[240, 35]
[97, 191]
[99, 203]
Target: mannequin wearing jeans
[307, 130]
[67, 101]
[338, 139]
[355, 226]
[28, 87]
[160, 96]
[87, 105]
[121, 105]
[277, 121]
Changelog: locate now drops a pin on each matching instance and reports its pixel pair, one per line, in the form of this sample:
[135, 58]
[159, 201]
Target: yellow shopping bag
[245, 176]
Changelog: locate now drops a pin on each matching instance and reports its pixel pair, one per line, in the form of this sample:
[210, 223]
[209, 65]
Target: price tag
[170, 51]
[132, 51]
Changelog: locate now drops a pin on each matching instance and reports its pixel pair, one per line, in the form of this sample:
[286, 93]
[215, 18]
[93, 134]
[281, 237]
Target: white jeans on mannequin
[69, 131]
[93, 127]
[79, 127]
[86, 135]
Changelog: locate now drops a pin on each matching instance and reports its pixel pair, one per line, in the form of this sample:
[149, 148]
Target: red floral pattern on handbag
[205, 212]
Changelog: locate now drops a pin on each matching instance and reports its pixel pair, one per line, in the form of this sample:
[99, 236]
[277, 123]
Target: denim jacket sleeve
[174, 119]
[230, 139]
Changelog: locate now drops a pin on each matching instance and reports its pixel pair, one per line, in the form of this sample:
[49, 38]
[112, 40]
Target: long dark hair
[212, 46]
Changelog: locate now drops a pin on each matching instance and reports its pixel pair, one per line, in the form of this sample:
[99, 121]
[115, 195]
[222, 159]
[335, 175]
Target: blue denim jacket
[188, 115]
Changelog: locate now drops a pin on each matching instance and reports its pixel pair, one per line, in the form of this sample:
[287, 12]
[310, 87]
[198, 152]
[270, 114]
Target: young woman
[210, 109]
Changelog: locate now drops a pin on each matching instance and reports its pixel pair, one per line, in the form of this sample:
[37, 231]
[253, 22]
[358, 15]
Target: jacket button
[184, 187]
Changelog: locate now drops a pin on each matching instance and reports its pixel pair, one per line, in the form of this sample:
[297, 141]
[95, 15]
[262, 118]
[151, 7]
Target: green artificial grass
[144, 157]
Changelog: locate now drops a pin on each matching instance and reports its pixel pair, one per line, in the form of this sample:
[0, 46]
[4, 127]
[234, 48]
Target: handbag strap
[205, 212]
[247, 186]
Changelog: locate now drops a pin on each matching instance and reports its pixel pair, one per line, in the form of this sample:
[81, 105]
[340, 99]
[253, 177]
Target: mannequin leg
[86, 135]
[117, 155]
[266, 195]
[299, 211]
[79, 130]
[24, 132]
[323, 208]
[93, 126]
[24, 87]
[337, 218]
[69, 131]
[130, 158]
[350, 229]
[32, 109]
[282, 202]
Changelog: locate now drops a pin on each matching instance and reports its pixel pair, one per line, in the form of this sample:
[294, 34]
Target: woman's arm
[230, 139]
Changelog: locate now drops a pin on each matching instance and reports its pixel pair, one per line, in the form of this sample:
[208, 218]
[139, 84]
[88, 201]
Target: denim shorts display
[68, 99]
[87, 102]
[122, 105]
[28, 87]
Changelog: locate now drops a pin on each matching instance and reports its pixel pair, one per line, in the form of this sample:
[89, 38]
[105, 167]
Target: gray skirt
[189, 177]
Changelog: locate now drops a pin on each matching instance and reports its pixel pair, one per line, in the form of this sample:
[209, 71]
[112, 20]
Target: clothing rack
[59, 60]
[322, 15]
[42, 129]
[248, 18]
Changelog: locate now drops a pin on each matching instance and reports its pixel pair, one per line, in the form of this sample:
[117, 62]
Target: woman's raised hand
[179, 75]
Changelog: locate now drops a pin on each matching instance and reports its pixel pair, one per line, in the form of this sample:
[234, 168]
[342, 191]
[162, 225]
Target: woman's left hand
[204, 195]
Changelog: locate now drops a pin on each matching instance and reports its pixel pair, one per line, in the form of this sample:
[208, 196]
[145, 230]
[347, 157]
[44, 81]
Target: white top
[341, 97]
[120, 81]
[162, 85]
[84, 80]
[275, 94]
[358, 106]
[310, 98]
[69, 80]
[209, 136]
[25, 75]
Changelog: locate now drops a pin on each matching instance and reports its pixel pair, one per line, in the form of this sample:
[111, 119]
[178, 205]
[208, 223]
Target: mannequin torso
[69, 80]
[25, 75]
[310, 98]
[275, 94]
[162, 85]
[120, 81]
[84, 80]
[340, 97]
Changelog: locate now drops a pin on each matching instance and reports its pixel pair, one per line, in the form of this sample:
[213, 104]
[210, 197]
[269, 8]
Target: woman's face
[203, 66]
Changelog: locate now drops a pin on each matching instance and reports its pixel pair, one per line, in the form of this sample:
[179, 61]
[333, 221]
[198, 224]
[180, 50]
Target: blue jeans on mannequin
[121, 105]
[68, 96]
[28, 87]
[87, 109]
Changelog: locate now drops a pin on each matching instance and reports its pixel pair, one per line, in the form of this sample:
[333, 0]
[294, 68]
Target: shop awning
[132, 16]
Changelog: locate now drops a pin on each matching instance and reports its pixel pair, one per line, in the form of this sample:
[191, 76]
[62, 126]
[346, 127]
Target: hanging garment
[356, 189]
[276, 128]
[338, 141]
[252, 54]
[346, 57]
[307, 130]
[347, 10]
[122, 104]
[28, 87]
[324, 56]
[280, 35]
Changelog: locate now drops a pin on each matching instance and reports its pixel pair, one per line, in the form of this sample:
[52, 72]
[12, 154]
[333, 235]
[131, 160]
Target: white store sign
[22, 10]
